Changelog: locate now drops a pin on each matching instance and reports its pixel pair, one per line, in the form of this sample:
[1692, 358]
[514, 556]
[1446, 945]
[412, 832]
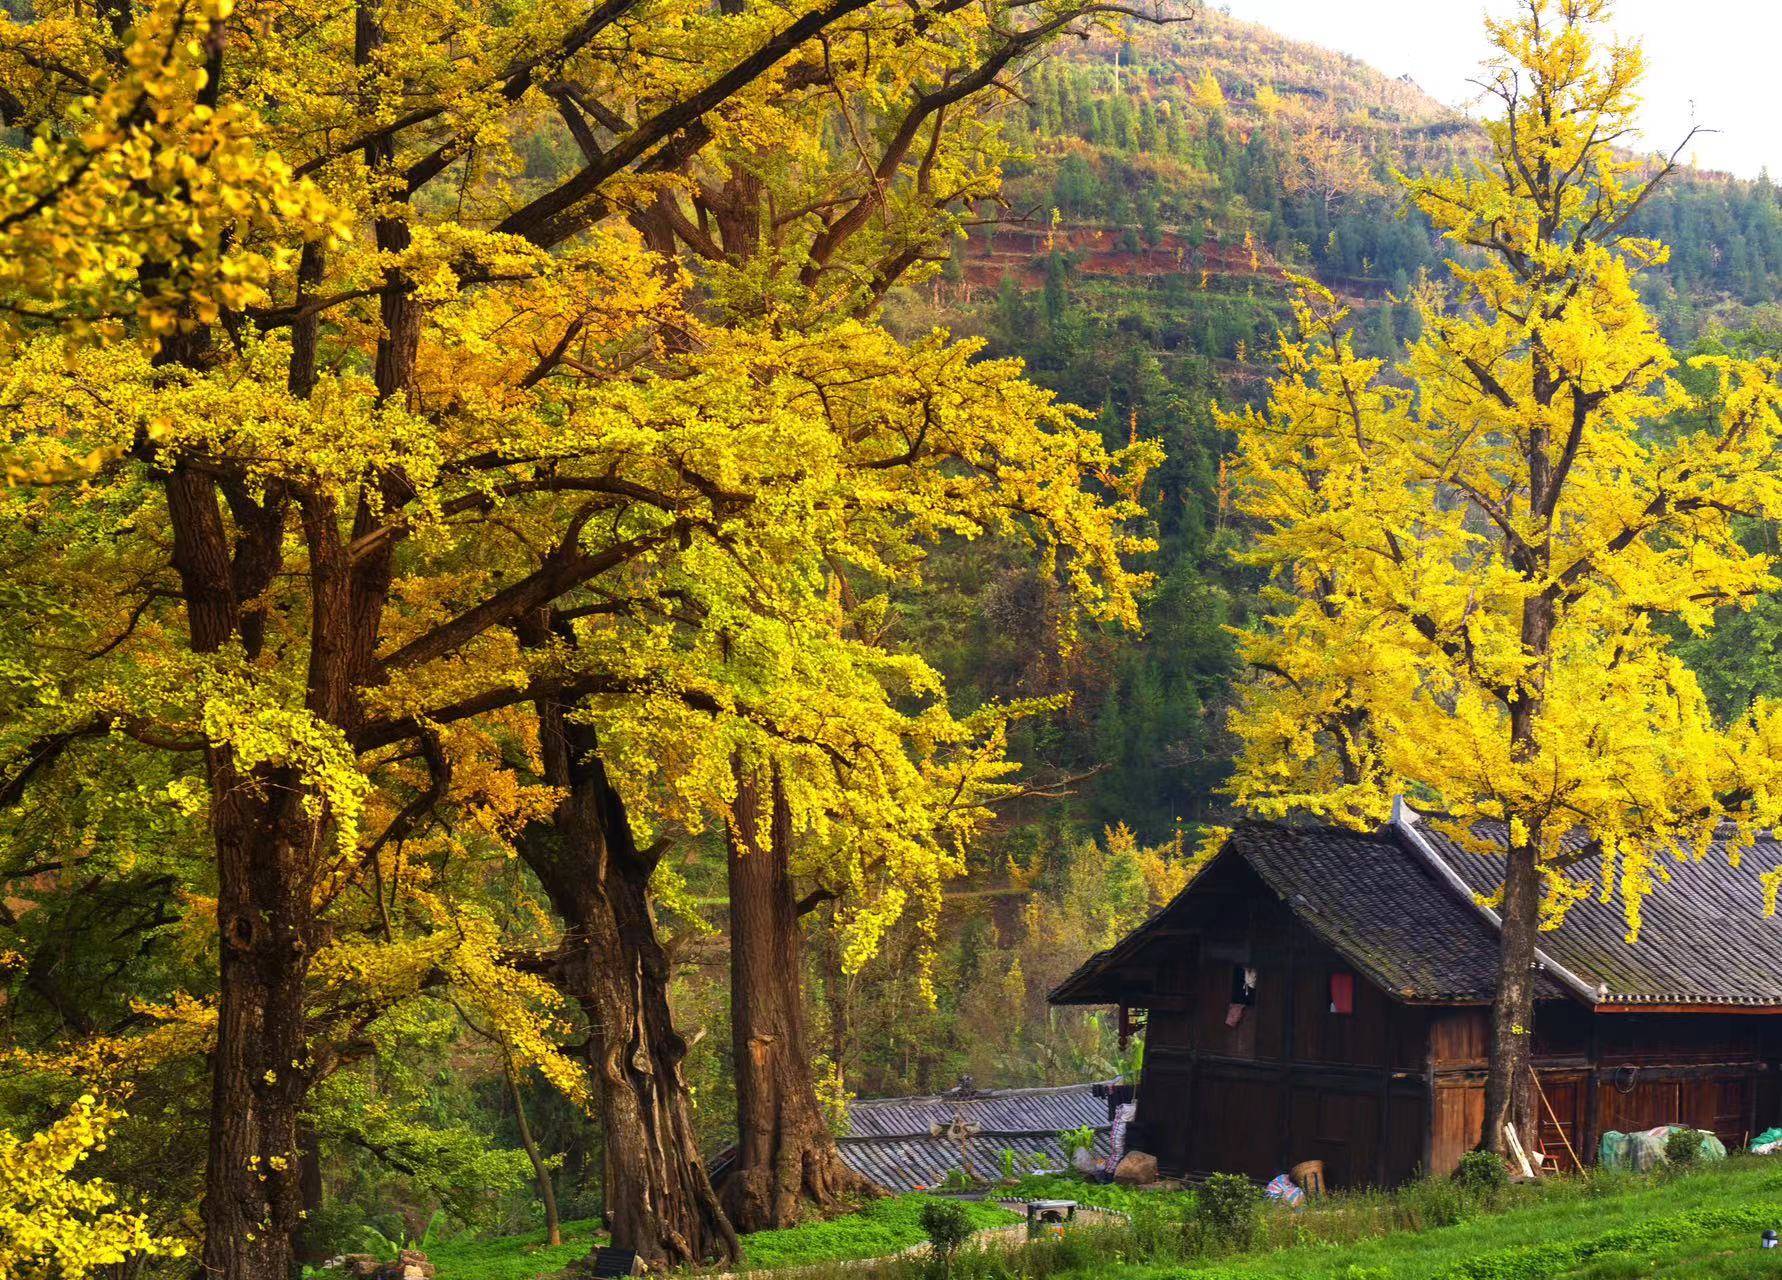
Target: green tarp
[1641, 1152]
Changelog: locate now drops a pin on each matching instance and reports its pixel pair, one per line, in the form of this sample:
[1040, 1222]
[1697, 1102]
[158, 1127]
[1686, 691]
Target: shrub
[1482, 1174]
[947, 1225]
[1429, 1203]
[1075, 1140]
[1225, 1211]
[1683, 1146]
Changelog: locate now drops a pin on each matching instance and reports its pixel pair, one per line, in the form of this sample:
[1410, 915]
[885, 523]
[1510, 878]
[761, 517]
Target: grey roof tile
[889, 1139]
[1373, 900]
[1704, 938]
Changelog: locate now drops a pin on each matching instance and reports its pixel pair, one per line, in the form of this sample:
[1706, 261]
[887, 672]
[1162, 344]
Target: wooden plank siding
[1608, 1071]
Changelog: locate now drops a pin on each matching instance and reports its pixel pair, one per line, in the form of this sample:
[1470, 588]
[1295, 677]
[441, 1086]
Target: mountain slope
[1224, 152]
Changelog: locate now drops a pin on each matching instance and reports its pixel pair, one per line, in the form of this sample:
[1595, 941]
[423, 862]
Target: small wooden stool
[1310, 1176]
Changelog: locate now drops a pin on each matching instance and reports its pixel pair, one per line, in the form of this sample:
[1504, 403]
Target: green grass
[880, 1227]
[1704, 1226]
[1060, 1186]
[513, 1257]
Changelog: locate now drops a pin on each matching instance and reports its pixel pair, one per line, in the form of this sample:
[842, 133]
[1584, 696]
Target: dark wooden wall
[1293, 1081]
[1603, 1071]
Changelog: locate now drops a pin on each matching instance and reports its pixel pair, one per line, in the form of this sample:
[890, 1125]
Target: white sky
[1720, 54]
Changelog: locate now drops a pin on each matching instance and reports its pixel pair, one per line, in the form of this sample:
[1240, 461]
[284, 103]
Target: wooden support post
[1188, 1144]
[1385, 1135]
[1753, 1082]
[1591, 1129]
[1517, 1151]
[1284, 1156]
[1429, 1098]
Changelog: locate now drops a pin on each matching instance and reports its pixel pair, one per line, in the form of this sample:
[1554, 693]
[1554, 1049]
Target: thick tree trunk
[1509, 1099]
[787, 1161]
[265, 843]
[253, 1197]
[659, 1199]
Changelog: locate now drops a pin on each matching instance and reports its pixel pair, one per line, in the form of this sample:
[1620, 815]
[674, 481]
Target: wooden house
[1318, 993]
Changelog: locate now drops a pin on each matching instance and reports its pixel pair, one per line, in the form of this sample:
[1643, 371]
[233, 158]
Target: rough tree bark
[265, 842]
[786, 1160]
[1508, 1097]
[253, 1188]
[659, 1199]
[308, 1248]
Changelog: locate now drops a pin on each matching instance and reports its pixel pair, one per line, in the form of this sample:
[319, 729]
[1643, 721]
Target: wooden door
[1562, 1118]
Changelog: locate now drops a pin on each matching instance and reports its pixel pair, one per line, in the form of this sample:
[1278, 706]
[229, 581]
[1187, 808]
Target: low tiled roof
[1380, 907]
[1704, 938]
[917, 1164]
[889, 1139]
[1041, 1110]
[1371, 898]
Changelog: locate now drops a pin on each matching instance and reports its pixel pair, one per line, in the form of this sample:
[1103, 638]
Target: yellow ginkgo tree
[1478, 557]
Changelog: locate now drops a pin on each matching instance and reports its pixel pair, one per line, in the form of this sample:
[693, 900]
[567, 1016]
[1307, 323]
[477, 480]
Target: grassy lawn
[1702, 1225]
[881, 1227]
[1058, 1186]
[513, 1257]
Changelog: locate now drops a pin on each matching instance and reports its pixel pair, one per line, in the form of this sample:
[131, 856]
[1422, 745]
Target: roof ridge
[886, 1139]
[1404, 825]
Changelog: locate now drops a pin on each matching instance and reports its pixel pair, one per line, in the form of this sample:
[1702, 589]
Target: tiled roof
[1381, 908]
[1371, 898]
[889, 1139]
[1041, 1110]
[1704, 939]
[916, 1164]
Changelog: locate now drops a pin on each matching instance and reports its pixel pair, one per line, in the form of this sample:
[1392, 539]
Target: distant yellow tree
[1268, 101]
[1207, 95]
[1474, 561]
[1328, 159]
